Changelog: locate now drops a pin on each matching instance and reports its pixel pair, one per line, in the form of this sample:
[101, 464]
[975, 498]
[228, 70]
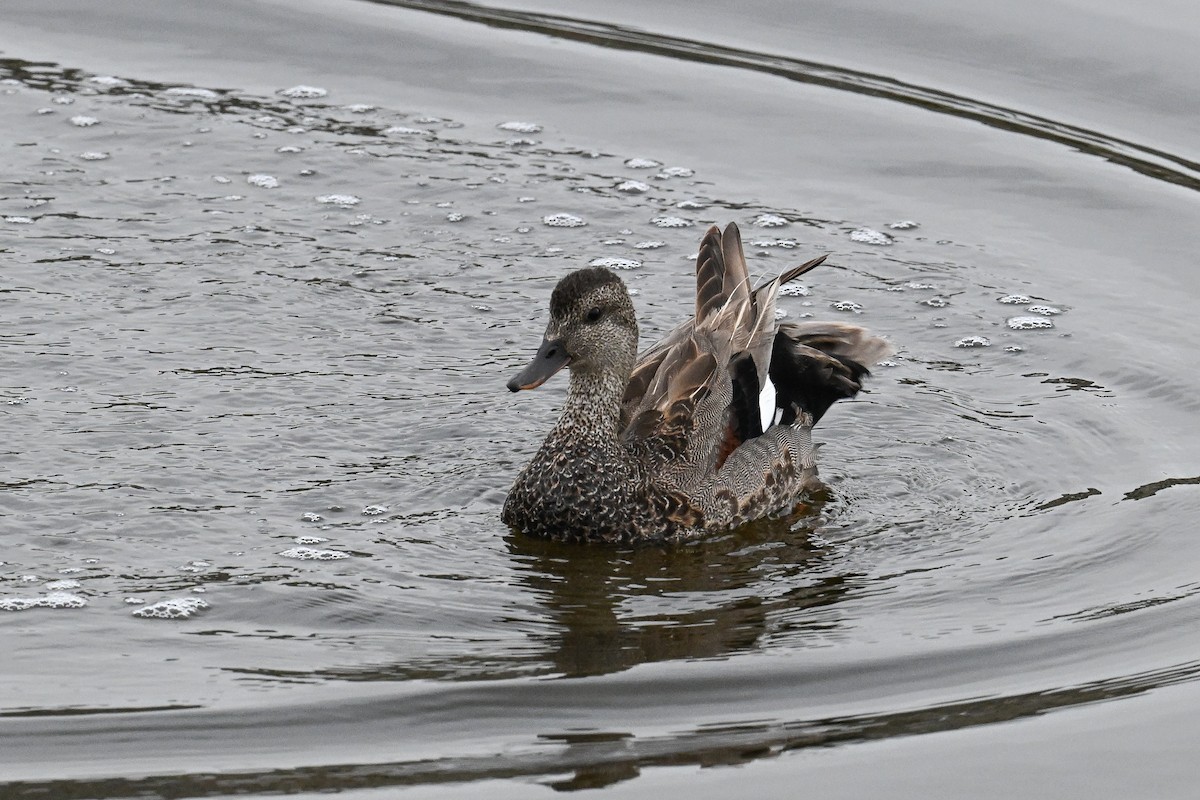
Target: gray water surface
[265, 273]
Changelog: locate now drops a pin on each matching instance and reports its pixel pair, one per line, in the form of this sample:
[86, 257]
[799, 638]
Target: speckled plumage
[670, 444]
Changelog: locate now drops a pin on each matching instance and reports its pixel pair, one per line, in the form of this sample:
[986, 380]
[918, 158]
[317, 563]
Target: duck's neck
[592, 412]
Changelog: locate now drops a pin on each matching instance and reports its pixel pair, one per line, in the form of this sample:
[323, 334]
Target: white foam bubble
[671, 222]
[652, 244]
[93, 155]
[374, 511]
[52, 600]
[191, 92]
[520, 127]
[108, 80]
[303, 92]
[310, 516]
[313, 554]
[870, 236]
[289, 148]
[973, 341]
[769, 221]
[1045, 311]
[63, 585]
[847, 305]
[403, 130]
[642, 163]
[936, 301]
[83, 121]
[1014, 299]
[903, 225]
[794, 290]
[17, 220]
[359, 108]
[676, 172]
[343, 200]
[175, 608]
[1029, 323]
[633, 187]
[786, 244]
[615, 263]
[263, 181]
[455, 216]
[563, 221]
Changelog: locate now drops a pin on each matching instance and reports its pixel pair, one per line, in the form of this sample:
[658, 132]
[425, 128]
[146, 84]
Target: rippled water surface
[264, 277]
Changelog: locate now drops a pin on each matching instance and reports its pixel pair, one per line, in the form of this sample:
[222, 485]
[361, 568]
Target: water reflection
[613, 609]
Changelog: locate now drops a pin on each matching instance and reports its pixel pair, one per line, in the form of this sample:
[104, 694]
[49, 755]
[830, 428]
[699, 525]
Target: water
[256, 318]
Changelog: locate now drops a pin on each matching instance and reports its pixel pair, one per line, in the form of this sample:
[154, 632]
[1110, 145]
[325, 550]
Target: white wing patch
[766, 404]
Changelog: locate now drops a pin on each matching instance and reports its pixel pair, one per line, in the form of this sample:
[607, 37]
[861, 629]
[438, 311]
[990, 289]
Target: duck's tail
[815, 364]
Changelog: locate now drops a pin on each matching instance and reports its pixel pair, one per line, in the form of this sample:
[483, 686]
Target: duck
[705, 431]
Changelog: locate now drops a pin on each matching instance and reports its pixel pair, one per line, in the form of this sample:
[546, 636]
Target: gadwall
[708, 429]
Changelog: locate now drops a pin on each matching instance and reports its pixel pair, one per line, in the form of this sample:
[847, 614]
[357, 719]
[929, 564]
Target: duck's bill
[550, 358]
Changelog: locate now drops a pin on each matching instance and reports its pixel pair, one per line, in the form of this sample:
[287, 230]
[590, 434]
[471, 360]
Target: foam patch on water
[563, 221]
[1014, 299]
[903, 225]
[870, 236]
[52, 600]
[936, 302]
[653, 244]
[520, 127]
[374, 511]
[17, 220]
[343, 200]
[973, 341]
[191, 92]
[1045, 311]
[615, 263]
[63, 585]
[313, 554]
[93, 155]
[786, 244]
[642, 163]
[677, 172]
[310, 540]
[176, 608]
[1029, 323]
[794, 290]
[769, 221]
[671, 222]
[847, 305]
[83, 121]
[303, 92]
[108, 80]
[263, 181]
[402, 130]
[633, 187]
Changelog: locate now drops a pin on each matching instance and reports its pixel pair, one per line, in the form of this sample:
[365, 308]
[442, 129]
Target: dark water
[255, 341]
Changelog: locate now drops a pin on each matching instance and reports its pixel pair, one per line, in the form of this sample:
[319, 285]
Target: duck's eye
[594, 314]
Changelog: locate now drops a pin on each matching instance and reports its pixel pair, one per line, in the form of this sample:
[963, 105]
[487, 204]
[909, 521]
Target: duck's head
[592, 328]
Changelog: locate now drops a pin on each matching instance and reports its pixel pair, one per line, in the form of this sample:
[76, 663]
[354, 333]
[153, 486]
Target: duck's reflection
[612, 609]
